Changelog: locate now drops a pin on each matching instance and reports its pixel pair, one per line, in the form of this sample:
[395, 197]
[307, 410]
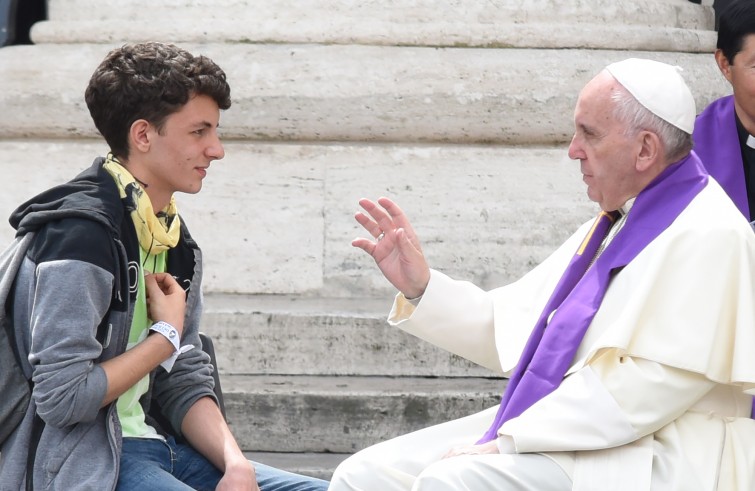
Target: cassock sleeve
[613, 401]
[464, 326]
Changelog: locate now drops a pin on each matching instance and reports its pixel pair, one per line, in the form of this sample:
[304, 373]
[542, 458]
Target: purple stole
[552, 345]
[717, 145]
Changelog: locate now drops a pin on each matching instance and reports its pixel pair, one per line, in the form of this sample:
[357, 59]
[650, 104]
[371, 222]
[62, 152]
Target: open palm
[396, 249]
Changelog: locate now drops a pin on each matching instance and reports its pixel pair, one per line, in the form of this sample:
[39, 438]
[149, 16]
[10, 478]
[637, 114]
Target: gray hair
[627, 110]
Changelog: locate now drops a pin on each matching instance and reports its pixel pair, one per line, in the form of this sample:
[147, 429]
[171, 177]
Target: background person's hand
[396, 248]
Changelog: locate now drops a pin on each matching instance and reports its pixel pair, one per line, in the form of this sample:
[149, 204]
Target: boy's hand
[166, 300]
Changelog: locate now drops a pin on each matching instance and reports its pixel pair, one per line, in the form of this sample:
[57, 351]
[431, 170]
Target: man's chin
[592, 197]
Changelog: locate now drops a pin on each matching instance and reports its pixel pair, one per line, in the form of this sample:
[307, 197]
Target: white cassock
[658, 397]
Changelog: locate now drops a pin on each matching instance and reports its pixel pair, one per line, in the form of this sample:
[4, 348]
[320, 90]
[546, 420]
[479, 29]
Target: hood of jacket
[92, 195]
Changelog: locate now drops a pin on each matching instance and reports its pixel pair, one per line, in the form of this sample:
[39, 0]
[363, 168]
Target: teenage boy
[107, 299]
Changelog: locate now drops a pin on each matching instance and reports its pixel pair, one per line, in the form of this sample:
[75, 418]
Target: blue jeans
[150, 464]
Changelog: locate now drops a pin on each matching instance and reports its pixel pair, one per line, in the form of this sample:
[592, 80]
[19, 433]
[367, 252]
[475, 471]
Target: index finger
[165, 281]
[383, 219]
[398, 217]
[151, 284]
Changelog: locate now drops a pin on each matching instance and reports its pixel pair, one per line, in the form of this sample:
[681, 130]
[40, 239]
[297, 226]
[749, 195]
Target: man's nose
[575, 150]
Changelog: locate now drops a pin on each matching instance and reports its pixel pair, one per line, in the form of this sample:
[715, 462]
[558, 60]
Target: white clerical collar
[624, 210]
[750, 141]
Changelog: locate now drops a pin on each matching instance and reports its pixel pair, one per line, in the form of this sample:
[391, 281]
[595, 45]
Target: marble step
[344, 414]
[653, 25]
[652, 13]
[278, 218]
[262, 334]
[350, 92]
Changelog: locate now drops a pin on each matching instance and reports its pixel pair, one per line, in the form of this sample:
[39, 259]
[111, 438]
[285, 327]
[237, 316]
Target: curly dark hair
[149, 81]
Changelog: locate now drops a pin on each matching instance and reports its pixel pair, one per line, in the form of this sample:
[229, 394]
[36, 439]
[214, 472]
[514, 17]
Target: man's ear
[139, 135]
[651, 150]
[723, 64]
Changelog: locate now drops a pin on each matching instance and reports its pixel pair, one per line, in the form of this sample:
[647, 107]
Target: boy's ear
[139, 135]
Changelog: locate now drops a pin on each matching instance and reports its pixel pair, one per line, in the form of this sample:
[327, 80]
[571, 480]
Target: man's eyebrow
[205, 124]
[587, 128]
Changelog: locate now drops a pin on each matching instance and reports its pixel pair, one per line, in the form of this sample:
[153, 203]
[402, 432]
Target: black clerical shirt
[748, 159]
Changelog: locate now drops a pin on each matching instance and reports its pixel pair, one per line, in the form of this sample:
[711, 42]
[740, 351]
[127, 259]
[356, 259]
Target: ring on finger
[380, 236]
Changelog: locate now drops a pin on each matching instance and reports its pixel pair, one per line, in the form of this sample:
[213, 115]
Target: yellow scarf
[156, 232]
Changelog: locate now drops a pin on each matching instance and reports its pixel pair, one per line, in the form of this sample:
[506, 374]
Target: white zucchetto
[660, 88]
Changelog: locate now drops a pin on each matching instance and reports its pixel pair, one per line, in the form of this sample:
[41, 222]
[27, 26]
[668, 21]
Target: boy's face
[180, 154]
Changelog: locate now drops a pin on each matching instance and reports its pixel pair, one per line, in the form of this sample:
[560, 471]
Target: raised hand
[396, 248]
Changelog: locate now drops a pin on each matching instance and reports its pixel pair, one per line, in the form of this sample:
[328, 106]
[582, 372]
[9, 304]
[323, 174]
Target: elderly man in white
[630, 350]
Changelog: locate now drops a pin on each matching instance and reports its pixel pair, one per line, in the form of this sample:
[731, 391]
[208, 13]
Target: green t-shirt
[130, 412]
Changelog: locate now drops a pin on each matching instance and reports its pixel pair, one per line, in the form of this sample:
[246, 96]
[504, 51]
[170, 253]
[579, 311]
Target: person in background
[724, 131]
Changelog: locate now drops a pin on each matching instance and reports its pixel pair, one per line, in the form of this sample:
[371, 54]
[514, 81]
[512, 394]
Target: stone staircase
[460, 110]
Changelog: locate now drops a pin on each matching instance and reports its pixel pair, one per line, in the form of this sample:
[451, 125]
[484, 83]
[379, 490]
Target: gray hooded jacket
[77, 279]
